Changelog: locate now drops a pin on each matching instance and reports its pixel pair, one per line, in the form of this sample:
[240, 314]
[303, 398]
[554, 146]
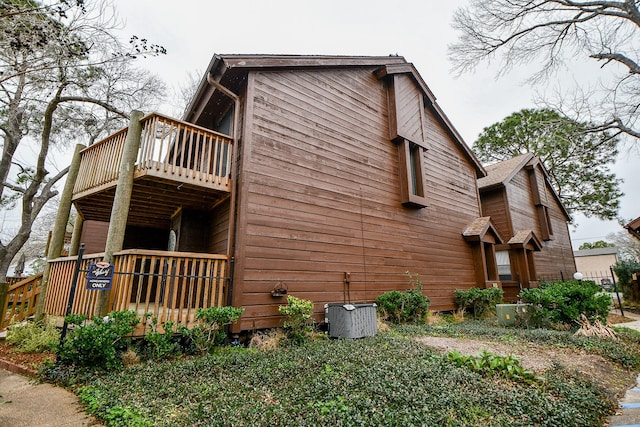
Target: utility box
[351, 320]
[508, 314]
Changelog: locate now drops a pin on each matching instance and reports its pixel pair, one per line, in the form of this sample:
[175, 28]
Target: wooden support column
[121, 201]
[56, 242]
[75, 237]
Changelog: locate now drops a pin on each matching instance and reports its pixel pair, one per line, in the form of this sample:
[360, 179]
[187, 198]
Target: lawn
[392, 379]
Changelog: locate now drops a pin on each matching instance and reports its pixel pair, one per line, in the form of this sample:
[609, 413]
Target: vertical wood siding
[320, 197]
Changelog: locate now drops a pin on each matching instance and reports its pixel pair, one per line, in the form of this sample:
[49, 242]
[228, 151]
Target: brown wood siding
[320, 196]
[219, 229]
[94, 236]
[556, 254]
[495, 205]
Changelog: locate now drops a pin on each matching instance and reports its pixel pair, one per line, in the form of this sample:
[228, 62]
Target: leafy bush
[477, 301]
[33, 337]
[489, 364]
[209, 329]
[159, 345]
[563, 302]
[297, 314]
[624, 269]
[404, 307]
[98, 344]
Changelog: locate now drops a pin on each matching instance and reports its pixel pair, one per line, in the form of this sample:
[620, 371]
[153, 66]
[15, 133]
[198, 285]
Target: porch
[170, 286]
[178, 166]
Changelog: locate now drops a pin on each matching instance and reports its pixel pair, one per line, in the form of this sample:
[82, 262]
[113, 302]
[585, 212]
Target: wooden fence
[21, 300]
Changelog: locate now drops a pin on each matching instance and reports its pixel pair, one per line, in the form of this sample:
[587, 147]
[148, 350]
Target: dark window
[412, 182]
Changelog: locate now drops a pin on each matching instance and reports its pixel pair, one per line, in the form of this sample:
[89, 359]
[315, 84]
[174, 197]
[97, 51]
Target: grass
[389, 380]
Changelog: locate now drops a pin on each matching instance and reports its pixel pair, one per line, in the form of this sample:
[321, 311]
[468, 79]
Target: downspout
[234, 170]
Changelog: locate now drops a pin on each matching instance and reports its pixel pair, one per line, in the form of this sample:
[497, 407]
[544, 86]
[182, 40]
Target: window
[411, 169]
[504, 265]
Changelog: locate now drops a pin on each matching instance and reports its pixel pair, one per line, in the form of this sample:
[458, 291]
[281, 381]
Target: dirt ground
[538, 358]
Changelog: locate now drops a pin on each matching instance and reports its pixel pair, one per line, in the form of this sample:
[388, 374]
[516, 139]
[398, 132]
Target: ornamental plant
[209, 329]
[410, 306]
[478, 302]
[297, 314]
[563, 302]
[98, 344]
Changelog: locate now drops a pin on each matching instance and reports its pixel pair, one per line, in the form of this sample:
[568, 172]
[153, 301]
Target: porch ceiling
[153, 202]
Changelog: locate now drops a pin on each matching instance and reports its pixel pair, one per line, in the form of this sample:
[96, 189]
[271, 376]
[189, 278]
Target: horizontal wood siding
[219, 232]
[557, 254]
[321, 197]
[495, 205]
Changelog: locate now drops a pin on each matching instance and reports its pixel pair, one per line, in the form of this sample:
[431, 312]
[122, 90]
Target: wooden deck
[178, 164]
[168, 285]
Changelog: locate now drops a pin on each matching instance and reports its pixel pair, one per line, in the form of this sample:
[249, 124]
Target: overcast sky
[193, 30]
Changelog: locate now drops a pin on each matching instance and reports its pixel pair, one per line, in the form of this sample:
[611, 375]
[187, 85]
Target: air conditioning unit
[351, 320]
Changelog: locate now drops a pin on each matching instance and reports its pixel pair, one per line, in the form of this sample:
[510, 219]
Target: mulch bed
[23, 363]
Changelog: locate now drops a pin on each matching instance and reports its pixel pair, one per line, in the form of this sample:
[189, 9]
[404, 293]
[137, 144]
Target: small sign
[100, 276]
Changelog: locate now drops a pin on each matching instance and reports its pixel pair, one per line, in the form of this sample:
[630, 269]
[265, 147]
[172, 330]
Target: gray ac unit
[351, 320]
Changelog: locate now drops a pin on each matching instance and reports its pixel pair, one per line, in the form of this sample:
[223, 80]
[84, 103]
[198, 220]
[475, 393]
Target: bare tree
[64, 77]
[555, 33]
[628, 246]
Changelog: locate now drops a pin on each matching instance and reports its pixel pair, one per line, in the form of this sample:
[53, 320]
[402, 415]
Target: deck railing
[167, 285]
[21, 301]
[169, 149]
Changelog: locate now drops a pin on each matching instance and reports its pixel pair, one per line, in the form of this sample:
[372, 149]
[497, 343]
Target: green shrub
[33, 337]
[297, 317]
[159, 345]
[98, 344]
[624, 269]
[563, 302]
[209, 332]
[404, 307]
[478, 302]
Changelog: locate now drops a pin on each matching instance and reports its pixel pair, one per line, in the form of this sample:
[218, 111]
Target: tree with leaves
[65, 77]
[599, 244]
[555, 33]
[578, 161]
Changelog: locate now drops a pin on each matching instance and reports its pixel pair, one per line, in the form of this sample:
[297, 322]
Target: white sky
[193, 30]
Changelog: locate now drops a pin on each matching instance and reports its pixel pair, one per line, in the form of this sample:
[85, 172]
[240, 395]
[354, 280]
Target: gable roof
[228, 70]
[479, 227]
[499, 174]
[525, 237]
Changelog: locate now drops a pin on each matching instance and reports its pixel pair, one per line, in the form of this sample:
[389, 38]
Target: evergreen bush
[562, 303]
[410, 306]
[478, 302]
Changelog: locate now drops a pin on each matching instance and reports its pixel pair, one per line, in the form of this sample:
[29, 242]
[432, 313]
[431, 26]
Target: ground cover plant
[390, 379]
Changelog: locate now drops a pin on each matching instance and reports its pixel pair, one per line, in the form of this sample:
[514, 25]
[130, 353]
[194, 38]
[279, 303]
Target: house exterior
[633, 227]
[531, 219]
[595, 264]
[324, 177]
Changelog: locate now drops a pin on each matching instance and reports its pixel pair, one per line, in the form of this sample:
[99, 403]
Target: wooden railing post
[60, 228]
[4, 296]
[121, 201]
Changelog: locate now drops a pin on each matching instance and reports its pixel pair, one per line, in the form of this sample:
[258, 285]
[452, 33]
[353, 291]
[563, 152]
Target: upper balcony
[178, 165]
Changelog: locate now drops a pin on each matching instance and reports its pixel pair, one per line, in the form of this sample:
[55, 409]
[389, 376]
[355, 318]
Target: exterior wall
[94, 236]
[495, 205]
[219, 229]
[319, 197]
[595, 266]
[555, 260]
